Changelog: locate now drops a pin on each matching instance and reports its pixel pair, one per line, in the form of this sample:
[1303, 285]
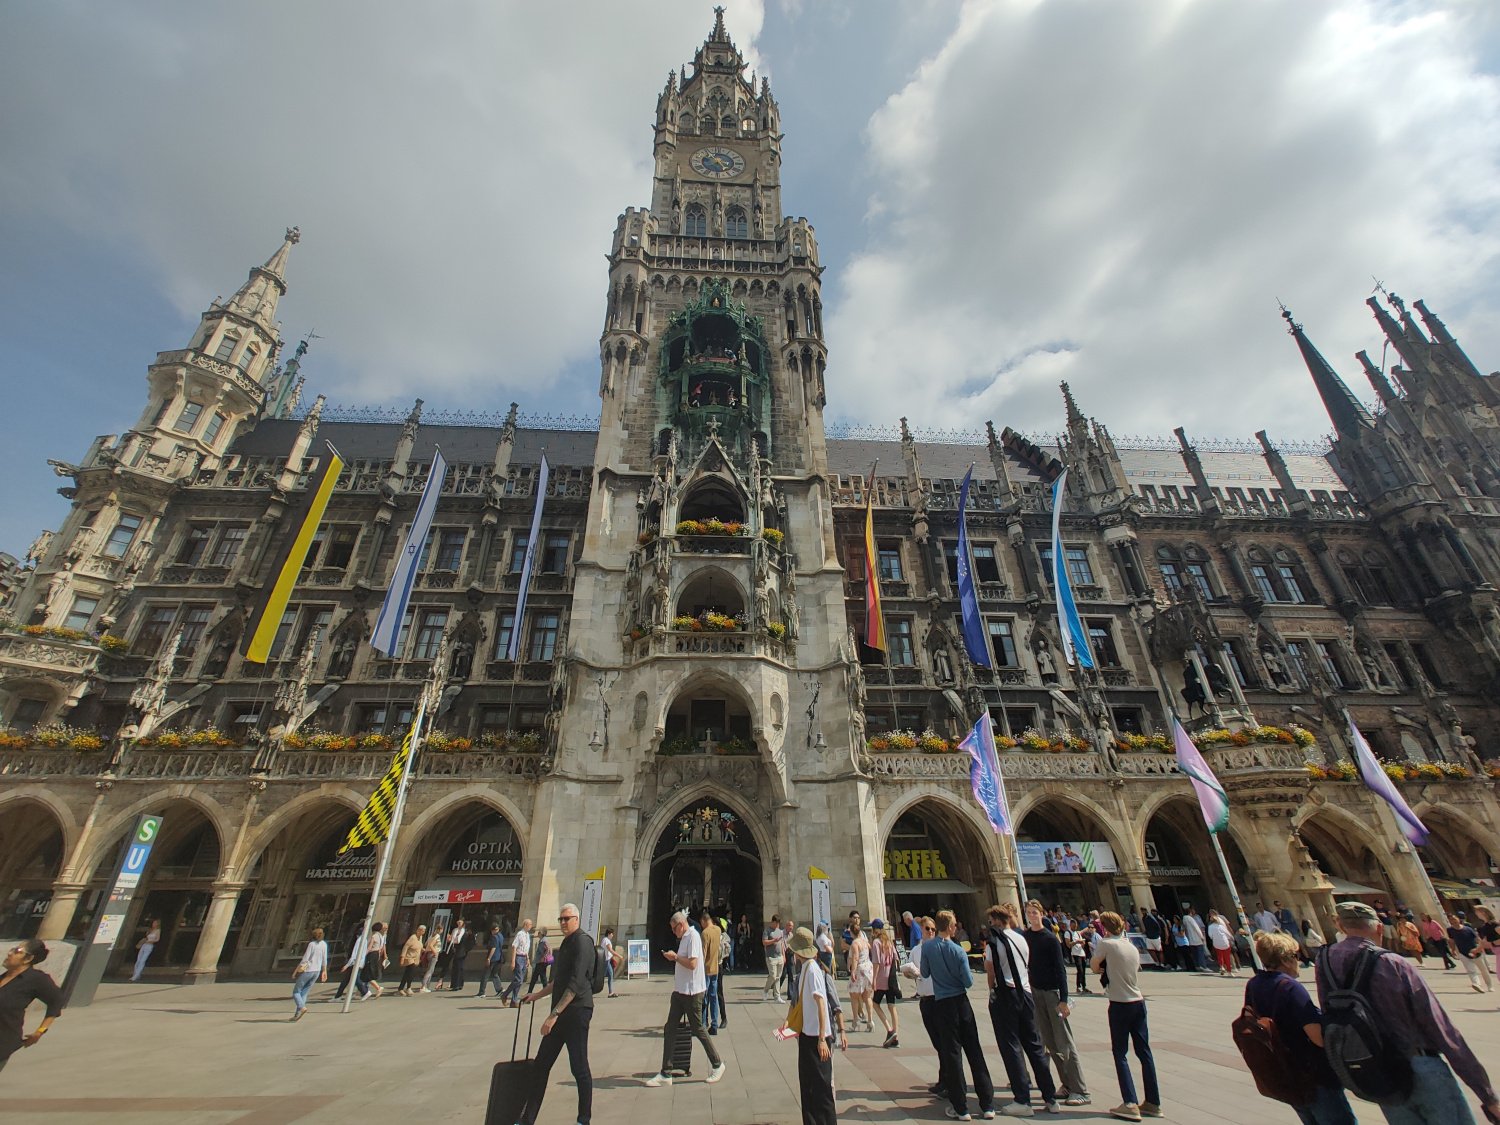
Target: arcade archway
[1183, 867]
[1069, 858]
[1339, 847]
[31, 854]
[934, 859]
[705, 857]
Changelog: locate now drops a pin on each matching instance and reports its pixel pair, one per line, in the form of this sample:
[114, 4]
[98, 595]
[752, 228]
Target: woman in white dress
[861, 977]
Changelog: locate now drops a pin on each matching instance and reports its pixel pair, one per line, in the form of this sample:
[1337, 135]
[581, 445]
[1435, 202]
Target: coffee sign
[914, 863]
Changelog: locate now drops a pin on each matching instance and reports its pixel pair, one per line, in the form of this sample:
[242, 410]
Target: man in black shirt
[572, 988]
[1049, 987]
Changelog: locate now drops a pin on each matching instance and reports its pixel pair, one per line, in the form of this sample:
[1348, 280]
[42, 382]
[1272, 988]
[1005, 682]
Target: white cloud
[1117, 194]
[456, 169]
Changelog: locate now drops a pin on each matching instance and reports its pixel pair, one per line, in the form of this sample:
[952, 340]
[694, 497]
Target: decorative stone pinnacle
[294, 235]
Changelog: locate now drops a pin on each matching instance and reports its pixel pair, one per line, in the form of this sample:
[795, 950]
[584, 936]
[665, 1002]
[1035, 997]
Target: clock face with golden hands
[717, 163]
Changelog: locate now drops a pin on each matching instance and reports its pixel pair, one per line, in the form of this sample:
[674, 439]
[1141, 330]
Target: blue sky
[1006, 194]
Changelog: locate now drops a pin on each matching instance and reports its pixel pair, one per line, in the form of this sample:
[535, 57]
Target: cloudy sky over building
[1006, 194]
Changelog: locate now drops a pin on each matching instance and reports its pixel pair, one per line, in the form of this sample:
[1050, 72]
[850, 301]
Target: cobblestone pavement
[157, 1055]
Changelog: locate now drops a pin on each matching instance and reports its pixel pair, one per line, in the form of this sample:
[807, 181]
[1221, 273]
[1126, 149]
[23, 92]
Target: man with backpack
[576, 978]
[1385, 1034]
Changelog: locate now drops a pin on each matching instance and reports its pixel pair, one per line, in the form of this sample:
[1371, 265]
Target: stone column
[1140, 888]
[60, 911]
[205, 966]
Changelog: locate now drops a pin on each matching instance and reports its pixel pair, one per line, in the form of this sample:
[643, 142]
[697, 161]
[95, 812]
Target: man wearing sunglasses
[572, 990]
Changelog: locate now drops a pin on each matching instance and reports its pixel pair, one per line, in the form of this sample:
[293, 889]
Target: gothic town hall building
[690, 707]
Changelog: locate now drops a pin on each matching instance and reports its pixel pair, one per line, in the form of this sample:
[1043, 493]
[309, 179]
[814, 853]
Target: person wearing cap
[1411, 1017]
[814, 1033]
[947, 966]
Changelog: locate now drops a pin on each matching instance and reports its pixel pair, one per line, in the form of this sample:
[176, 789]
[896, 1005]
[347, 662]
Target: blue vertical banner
[513, 650]
[404, 576]
[975, 642]
[1075, 638]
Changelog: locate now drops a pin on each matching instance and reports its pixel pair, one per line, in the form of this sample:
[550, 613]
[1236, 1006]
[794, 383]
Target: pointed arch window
[695, 221]
[736, 225]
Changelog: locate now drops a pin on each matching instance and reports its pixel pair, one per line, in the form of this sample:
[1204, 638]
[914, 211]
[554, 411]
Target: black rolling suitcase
[682, 1051]
[510, 1082]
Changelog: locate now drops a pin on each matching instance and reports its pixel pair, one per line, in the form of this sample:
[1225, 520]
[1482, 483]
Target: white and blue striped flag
[393, 610]
[514, 649]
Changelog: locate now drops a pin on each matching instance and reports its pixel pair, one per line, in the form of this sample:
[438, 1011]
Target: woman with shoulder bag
[411, 959]
[808, 1016]
[375, 961]
[1274, 993]
[312, 967]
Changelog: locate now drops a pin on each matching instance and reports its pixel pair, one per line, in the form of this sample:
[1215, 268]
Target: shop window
[81, 614]
[122, 536]
[544, 629]
[898, 638]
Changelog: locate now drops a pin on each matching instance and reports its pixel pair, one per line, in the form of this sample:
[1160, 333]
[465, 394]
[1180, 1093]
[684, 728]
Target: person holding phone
[689, 985]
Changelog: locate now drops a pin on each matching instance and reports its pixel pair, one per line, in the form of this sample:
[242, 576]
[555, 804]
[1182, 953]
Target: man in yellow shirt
[713, 943]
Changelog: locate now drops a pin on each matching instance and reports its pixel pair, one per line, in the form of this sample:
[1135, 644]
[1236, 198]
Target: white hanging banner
[593, 898]
[822, 900]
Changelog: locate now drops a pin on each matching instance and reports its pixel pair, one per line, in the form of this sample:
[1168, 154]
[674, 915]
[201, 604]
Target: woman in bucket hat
[814, 1032]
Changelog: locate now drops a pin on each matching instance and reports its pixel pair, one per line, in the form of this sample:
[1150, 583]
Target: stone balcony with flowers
[52, 649]
[209, 754]
[710, 634]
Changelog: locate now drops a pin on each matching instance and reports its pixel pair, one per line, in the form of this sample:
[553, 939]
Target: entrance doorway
[705, 858]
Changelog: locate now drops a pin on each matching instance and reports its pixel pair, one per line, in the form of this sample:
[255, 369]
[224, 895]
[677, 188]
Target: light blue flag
[968, 598]
[984, 774]
[1075, 638]
[393, 610]
[513, 650]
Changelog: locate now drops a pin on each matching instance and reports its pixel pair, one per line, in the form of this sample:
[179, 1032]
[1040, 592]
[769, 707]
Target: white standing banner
[593, 898]
[822, 900]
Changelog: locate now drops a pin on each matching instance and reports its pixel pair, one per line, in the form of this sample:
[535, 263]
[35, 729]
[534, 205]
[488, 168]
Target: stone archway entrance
[31, 853]
[706, 857]
[1069, 858]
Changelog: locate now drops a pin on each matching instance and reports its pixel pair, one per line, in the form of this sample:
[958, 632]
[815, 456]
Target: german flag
[374, 823]
[874, 618]
[301, 525]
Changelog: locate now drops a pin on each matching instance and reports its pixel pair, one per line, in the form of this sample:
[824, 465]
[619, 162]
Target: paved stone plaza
[225, 1053]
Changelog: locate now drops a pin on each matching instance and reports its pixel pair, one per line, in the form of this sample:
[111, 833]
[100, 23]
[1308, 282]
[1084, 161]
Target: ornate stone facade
[690, 707]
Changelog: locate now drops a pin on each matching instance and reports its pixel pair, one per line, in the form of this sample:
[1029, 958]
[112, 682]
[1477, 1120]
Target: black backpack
[598, 976]
[1368, 1064]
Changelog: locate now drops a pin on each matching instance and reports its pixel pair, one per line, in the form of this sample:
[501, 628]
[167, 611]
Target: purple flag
[1371, 773]
[984, 774]
[1212, 800]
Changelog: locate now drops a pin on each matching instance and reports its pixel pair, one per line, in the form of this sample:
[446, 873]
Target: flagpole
[1234, 893]
[390, 842]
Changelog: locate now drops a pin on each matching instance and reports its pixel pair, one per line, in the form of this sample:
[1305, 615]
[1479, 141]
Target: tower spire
[266, 284]
[1347, 412]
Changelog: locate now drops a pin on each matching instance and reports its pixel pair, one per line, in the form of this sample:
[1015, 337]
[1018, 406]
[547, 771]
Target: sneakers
[954, 1115]
[891, 1040]
[426, 990]
[1018, 1109]
[1126, 1111]
[1052, 1106]
[666, 1080]
[1150, 1109]
[987, 1114]
[1076, 1099]
[718, 1072]
[300, 1012]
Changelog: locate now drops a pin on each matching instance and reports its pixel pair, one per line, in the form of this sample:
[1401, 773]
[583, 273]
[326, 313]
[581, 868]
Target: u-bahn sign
[84, 981]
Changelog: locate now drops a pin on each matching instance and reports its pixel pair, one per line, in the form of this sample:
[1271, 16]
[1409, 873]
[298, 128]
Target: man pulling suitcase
[567, 1025]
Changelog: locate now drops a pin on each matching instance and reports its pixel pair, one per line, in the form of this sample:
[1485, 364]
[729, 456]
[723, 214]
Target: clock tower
[710, 700]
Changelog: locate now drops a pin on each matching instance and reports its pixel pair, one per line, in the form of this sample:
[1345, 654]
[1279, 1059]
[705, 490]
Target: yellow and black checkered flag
[374, 823]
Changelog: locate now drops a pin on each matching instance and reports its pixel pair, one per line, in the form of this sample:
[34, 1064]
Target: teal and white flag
[1212, 799]
[1075, 638]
